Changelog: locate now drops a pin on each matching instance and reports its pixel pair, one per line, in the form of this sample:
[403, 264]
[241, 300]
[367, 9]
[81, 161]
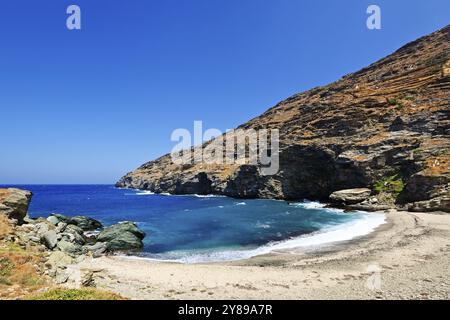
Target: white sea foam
[144, 193]
[308, 205]
[208, 196]
[139, 193]
[364, 225]
[314, 205]
[262, 225]
[240, 203]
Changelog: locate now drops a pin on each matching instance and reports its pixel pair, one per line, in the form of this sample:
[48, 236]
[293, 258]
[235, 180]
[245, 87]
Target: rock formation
[350, 196]
[385, 127]
[74, 236]
[14, 203]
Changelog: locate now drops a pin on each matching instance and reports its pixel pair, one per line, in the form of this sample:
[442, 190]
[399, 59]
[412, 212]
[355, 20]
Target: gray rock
[73, 237]
[97, 249]
[85, 223]
[50, 239]
[53, 220]
[116, 230]
[61, 227]
[74, 229]
[41, 228]
[60, 217]
[74, 234]
[80, 258]
[34, 239]
[59, 259]
[87, 279]
[350, 196]
[124, 242]
[61, 277]
[72, 249]
[122, 237]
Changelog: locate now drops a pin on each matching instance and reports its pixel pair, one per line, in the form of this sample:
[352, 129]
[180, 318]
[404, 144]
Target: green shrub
[393, 185]
[6, 267]
[5, 281]
[392, 102]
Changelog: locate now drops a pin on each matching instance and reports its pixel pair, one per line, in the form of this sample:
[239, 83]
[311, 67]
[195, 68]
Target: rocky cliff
[385, 127]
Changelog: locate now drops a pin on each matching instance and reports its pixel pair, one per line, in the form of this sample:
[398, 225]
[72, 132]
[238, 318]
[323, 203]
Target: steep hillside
[385, 127]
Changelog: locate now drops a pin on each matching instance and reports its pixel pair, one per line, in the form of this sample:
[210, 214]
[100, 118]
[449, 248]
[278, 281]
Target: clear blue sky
[88, 106]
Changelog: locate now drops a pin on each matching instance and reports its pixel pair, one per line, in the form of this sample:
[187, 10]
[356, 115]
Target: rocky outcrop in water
[122, 236]
[385, 127]
[65, 239]
[84, 235]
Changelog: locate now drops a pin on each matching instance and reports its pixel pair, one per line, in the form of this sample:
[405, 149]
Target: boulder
[61, 277]
[50, 239]
[71, 249]
[116, 230]
[122, 237]
[350, 196]
[97, 249]
[14, 203]
[124, 242]
[73, 237]
[59, 259]
[53, 220]
[42, 227]
[85, 223]
[74, 229]
[61, 227]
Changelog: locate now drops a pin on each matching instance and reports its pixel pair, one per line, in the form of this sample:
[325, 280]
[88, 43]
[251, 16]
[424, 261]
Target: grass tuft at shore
[75, 294]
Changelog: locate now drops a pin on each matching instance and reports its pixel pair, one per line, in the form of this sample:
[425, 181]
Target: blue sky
[87, 106]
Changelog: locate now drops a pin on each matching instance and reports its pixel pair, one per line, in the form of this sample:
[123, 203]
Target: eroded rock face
[14, 203]
[391, 118]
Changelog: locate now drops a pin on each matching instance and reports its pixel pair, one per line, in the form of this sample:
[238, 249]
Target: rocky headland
[384, 128]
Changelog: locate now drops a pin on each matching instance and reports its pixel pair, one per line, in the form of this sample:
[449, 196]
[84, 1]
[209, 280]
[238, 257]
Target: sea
[206, 228]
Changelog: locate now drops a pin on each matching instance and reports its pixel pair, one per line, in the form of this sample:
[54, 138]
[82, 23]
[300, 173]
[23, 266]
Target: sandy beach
[405, 258]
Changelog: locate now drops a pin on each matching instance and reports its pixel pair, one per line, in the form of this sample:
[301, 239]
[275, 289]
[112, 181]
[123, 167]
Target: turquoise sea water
[205, 228]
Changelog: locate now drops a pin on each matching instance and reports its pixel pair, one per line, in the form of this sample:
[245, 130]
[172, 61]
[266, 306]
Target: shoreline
[409, 254]
[314, 241]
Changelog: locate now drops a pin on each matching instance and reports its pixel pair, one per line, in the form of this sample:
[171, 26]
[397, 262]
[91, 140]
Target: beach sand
[405, 258]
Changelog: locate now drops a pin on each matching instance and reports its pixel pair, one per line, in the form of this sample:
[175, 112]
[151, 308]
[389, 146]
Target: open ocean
[205, 228]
